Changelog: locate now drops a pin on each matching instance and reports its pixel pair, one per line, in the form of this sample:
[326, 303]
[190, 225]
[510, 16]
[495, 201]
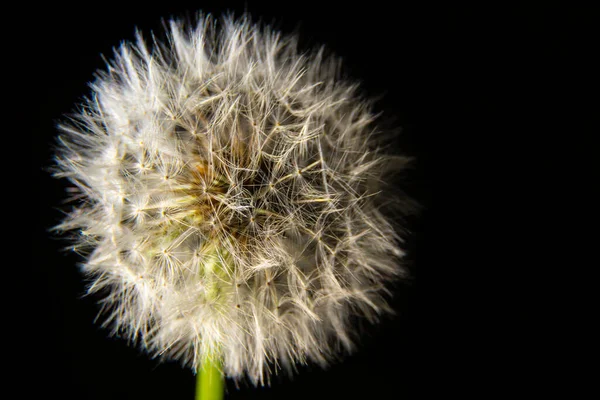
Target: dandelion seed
[228, 188]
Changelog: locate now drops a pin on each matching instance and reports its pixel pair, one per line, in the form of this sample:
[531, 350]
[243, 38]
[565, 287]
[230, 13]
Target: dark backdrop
[444, 74]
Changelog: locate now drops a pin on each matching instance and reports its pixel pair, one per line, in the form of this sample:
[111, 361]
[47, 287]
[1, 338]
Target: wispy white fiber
[226, 202]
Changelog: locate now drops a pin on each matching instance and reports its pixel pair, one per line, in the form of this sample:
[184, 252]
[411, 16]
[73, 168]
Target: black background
[463, 83]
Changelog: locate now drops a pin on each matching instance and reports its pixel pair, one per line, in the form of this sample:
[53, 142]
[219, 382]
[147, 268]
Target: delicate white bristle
[228, 191]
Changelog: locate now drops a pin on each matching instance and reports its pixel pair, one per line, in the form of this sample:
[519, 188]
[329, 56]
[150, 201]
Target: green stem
[209, 380]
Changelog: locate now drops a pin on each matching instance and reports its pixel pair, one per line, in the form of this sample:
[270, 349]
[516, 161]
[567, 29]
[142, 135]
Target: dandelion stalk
[209, 380]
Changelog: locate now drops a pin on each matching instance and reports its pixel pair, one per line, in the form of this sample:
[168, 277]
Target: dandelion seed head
[227, 198]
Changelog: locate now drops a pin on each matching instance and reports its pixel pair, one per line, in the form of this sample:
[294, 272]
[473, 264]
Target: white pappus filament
[227, 199]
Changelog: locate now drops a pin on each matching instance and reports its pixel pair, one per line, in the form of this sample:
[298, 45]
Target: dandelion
[227, 202]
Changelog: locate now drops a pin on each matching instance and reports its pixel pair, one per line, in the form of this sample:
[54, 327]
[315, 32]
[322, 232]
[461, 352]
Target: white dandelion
[227, 202]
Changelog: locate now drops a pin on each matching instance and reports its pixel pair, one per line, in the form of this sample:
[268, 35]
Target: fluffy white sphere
[227, 199]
